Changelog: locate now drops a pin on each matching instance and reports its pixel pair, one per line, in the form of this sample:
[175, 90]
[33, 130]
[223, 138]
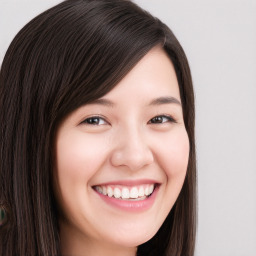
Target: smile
[128, 196]
[134, 193]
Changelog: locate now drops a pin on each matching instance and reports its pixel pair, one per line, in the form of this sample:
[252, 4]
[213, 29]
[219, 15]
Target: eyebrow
[154, 102]
[164, 100]
[103, 102]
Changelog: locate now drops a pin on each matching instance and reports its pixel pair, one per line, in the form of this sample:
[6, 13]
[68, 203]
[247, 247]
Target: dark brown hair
[68, 56]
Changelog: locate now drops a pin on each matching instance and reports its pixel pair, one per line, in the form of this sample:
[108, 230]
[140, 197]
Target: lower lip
[133, 206]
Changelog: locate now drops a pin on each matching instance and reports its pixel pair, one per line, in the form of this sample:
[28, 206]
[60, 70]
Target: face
[122, 160]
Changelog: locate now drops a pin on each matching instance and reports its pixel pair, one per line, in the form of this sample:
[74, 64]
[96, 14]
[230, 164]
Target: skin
[125, 143]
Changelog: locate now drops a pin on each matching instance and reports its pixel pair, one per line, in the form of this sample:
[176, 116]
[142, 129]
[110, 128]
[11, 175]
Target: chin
[133, 238]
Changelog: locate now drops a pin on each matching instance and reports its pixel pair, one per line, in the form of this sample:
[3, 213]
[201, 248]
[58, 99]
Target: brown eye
[94, 120]
[161, 119]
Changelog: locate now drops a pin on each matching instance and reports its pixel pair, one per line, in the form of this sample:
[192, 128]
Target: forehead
[152, 77]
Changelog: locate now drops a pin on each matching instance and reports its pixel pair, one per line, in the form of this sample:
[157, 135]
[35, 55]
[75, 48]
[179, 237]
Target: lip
[128, 183]
[128, 205]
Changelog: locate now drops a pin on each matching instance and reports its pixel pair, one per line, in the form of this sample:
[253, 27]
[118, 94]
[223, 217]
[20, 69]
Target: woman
[97, 135]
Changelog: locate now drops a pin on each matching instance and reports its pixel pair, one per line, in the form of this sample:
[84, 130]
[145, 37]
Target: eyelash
[154, 120]
[169, 119]
[90, 120]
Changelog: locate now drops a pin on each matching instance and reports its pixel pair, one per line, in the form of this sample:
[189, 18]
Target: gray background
[219, 38]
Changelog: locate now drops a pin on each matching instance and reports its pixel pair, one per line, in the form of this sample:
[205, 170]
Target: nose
[132, 151]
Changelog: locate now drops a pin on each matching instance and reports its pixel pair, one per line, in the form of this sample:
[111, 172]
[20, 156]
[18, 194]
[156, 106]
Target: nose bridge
[132, 148]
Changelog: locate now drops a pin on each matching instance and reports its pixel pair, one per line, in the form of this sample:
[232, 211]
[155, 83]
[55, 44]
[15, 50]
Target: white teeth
[151, 188]
[99, 189]
[141, 191]
[134, 193]
[104, 190]
[110, 192]
[117, 193]
[147, 191]
[125, 193]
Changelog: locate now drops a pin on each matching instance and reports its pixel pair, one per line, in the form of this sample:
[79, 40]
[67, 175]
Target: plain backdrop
[219, 38]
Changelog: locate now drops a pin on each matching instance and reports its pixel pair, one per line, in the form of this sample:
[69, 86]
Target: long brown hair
[68, 56]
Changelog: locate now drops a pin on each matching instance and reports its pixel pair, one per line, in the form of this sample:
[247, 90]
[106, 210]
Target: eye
[95, 120]
[162, 119]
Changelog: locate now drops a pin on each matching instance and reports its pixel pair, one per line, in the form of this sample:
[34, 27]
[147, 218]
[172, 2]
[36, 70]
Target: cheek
[173, 158]
[78, 157]
[174, 153]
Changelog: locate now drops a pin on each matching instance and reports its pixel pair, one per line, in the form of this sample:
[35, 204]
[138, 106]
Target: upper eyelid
[94, 116]
[169, 117]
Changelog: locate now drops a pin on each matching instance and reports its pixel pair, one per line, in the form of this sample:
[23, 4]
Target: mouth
[127, 193]
[132, 196]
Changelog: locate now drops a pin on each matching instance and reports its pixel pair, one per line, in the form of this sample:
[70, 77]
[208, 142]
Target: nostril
[132, 158]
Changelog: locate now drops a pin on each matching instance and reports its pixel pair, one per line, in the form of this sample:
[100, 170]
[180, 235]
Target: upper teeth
[126, 192]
